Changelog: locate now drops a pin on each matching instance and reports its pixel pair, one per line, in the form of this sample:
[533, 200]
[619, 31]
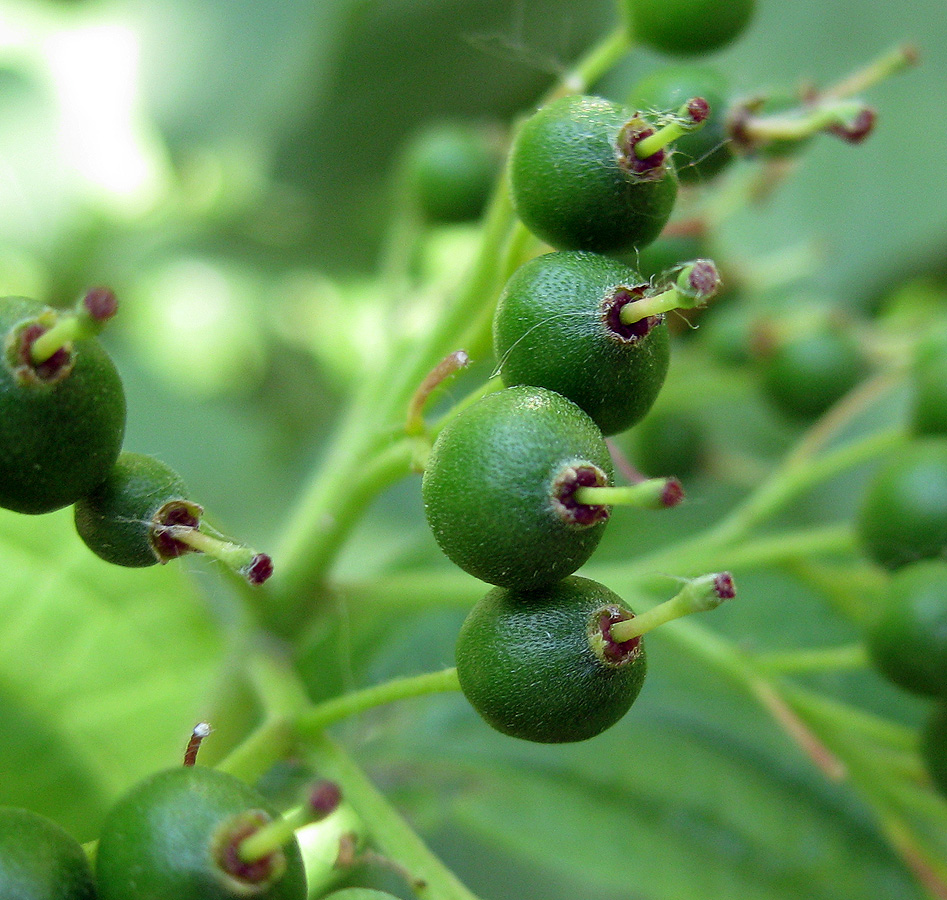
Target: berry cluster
[62, 421]
[518, 487]
[902, 525]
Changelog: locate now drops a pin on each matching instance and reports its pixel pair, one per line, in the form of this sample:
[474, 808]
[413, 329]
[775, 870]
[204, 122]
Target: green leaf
[103, 670]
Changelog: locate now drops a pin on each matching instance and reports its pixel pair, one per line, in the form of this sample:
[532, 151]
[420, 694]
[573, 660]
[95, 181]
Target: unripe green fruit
[929, 404]
[903, 516]
[499, 487]
[701, 154]
[577, 184]
[40, 861]
[168, 836]
[934, 747]
[908, 641]
[668, 442]
[452, 168]
[61, 422]
[687, 27]
[557, 326]
[539, 665]
[121, 520]
[804, 375]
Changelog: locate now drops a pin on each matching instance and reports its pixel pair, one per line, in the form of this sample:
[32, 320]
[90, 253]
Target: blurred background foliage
[226, 166]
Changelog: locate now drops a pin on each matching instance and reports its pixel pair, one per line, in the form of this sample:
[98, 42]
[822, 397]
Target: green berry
[452, 168]
[540, 665]
[40, 861]
[668, 442]
[176, 835]
[908, 641]
[687, 27]
[929, 380]
[934, 747]
[499, 487]
[577, 183]
[903, 516]
[702, 154]
[806, 374]
[557, 326]
[123, 520]
[61, 421]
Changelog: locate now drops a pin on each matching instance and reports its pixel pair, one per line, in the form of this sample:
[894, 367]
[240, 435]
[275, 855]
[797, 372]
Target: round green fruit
[934, 747]
[499, 487]
[903, 515]
[577, 184]
[668, 442]
[61, 421]
[908, 641]
[122, 520]
[929, 380]
[540, 665]
[687, 27]
[557, 326]
[702, 154]
[175, 834]
[452, 168]
[40, 861]
[806, 374]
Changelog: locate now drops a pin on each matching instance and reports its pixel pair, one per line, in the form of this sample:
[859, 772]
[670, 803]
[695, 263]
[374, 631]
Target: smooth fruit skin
[687, 27]
[41, 861]
[115, 519]
[569, 188]
[452, 167]
[155, 843]
[525, 663]
[552, 329]
[488, 487]
[908, 641]
[59, 438]
[805, 375]
[934, 747]
[702, 154]
[903, 516]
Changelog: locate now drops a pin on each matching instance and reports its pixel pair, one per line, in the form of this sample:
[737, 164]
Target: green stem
[391, 834]
[314, 720]
[684, 123]
[652, 493]
[821, 659]
[596, 63]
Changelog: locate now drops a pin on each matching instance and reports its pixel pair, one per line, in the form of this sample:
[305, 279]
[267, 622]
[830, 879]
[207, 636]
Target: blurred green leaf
[103, 671]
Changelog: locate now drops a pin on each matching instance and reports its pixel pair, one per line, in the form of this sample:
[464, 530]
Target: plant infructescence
[592, 310]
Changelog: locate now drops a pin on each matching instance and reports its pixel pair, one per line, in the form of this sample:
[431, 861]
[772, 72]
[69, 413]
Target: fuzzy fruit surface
[702, 154]
[903, 516]
[41, 861]
[805, 375]
[570, 188]
[157, 842]
[934, 747]
[116, 520]
[908, 642]
[527, 665]
[60, 435]
[556, 327]
[452, 168]
[489, 487]
[687, 27]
